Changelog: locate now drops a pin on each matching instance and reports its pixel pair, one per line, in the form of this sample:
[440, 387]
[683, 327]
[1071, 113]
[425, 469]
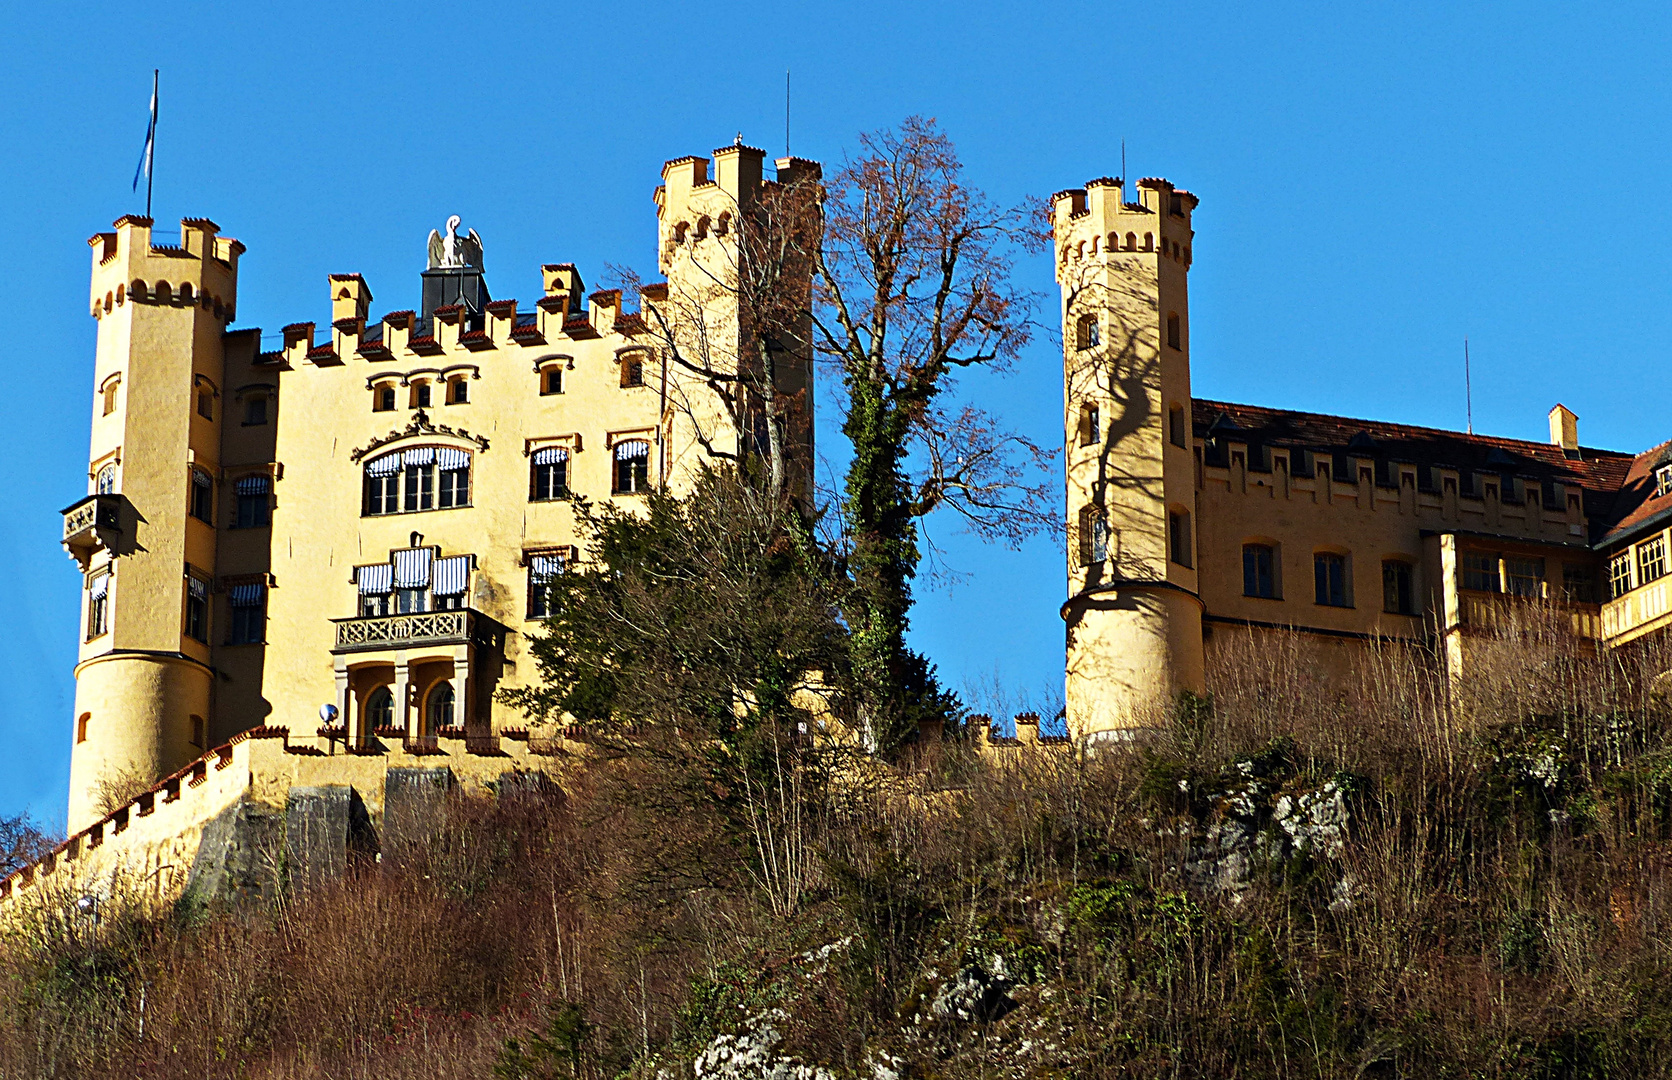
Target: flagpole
[151, 168]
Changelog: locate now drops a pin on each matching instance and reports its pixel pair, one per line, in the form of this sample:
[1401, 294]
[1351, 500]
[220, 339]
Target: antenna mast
[1123, 172]
[786, 112]
[1468, 388]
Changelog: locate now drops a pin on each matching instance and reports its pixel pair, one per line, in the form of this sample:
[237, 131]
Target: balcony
[93, 523]
[384, 632]
[1506, 613]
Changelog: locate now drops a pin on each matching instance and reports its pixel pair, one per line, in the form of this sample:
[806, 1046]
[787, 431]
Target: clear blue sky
[1376, 184]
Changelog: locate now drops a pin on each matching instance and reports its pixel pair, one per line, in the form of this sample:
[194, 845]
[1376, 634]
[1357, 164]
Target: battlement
[152, 848]
[693, 205]
[201, 270]
[1095, 220]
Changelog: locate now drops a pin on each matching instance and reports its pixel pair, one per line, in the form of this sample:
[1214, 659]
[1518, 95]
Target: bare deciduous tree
[912, 286]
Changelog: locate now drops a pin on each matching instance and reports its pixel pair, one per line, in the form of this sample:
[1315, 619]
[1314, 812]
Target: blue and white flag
[150, 138]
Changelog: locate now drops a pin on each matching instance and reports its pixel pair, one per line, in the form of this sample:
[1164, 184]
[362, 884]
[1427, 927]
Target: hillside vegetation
[1390, 877]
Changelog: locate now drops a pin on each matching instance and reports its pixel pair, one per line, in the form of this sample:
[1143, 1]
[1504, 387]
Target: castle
[1192, 519]
[315, 565]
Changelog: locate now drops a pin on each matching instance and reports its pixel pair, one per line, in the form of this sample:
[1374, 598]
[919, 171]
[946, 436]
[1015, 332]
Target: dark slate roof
[1603, 475]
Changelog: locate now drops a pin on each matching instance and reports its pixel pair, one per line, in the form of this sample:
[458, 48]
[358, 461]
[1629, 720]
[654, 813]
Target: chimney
[1564, 430]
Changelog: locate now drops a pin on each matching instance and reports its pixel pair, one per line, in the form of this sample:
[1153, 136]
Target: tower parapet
[144, 684]
[1134, 637]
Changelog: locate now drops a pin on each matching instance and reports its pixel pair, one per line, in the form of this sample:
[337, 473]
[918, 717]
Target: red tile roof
[1637, 509]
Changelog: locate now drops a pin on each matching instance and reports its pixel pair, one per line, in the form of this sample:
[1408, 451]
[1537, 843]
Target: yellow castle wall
[141, 683]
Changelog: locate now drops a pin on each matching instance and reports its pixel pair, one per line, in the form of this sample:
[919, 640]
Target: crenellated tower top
[202, 268]
[1094, 220]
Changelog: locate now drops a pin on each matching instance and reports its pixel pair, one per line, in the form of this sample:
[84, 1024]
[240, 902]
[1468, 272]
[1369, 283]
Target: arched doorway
[438, 710]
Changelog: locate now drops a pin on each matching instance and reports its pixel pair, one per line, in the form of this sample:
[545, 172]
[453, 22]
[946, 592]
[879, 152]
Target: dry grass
[1498, 906]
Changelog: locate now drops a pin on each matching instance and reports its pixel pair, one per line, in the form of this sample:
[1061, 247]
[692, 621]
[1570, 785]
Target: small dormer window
[1663, 480]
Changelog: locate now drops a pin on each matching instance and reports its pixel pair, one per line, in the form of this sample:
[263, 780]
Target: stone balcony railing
[404, 631]
[90, 524]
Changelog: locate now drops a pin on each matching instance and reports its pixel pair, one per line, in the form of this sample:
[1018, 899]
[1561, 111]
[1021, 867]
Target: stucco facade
[1191, 519]
[343, 529]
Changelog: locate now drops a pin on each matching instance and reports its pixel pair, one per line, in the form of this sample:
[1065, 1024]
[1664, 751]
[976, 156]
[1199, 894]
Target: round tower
[1134, 633]
[144, 535]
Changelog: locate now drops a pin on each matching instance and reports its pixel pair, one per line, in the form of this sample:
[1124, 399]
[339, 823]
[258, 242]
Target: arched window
[120, 294]
[458, 391]
[185, 292]
[380, 710]
[722, 224]
[383, 398]
[1149, 241]
[549, 474]
[1087, 333]
[199, 732]
[98, 606]
[165, 295]
[202, 505]
[438, 711]
[1091, 425]
[1132, 241]
[632, 467]
[1095, 536]
[106, 482]
[1332, 583]
[702, 228]
[136, 291]
[81, 726]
